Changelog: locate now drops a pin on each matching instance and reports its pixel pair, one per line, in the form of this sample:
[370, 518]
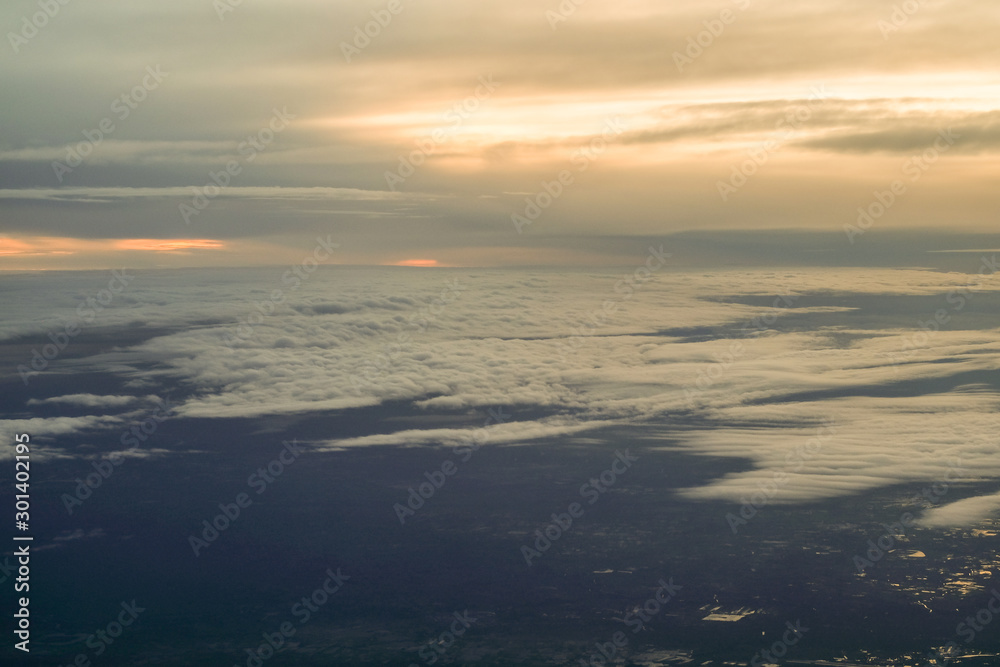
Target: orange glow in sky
[53, 245]
[172, 245]
[417, 262]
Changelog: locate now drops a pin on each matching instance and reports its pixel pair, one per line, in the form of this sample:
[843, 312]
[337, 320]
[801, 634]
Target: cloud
[61, 540]
[355, 122]
[87, 400]
[145, 152]
[509, 433]
[109, 194]
[982, 135]
[853, 445]
[965, 513]
[42, 431]
[821, 374]
[78, 534]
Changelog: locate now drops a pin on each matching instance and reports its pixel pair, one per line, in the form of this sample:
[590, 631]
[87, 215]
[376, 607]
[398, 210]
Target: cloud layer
[829, 376]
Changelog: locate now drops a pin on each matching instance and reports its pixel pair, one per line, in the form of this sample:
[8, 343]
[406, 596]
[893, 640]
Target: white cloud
[42, 431]
[337, 342]
[86, 400]
[965, 513]
[508, 433]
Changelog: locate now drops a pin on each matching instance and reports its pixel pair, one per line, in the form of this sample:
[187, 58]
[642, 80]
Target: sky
[225, 133]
